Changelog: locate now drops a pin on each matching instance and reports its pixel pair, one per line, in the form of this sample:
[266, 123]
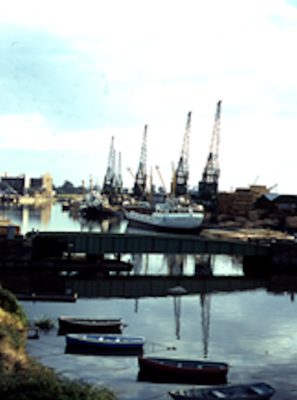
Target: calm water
[254, 331]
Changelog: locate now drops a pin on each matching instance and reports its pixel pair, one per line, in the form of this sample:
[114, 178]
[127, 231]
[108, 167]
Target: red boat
[156, 369]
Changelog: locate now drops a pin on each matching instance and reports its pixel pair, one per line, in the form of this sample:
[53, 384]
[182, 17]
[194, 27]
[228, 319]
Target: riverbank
[20, 373]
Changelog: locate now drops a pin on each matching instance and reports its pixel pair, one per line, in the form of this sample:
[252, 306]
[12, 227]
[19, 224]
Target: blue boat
[104, 344]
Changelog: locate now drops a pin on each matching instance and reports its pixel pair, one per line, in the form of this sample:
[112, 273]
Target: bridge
[157, 286]
[131, 243]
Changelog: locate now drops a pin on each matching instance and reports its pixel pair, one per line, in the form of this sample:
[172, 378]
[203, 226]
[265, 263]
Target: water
[50, 217]
[254, 331]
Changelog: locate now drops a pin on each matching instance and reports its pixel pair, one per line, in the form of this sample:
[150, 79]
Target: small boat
[66, 206]
[253, 391]
[104, 344]
[96, 207]
[72, 297]
[89, 325]
[32, 332]
[168, 217]
[179, 370]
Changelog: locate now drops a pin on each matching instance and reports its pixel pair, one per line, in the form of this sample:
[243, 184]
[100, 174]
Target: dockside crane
[139, 188]
[181, 176]
[161, 178]
[119, 178]
[109, 184]
[208, 186]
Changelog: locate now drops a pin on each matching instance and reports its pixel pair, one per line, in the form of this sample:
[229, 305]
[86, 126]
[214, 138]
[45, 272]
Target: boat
[252, 391]
[143, 207]
[157, 369]
[95, 206]
[111, 344]
[32, 332]
[57, 297]
[168, 217]
[89, 325]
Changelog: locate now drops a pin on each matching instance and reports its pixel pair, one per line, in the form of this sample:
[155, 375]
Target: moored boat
[253, 391]
[63, 297]
[168, 217]
[89, 325]
[104, 344]
[96, 207]
[158, 369]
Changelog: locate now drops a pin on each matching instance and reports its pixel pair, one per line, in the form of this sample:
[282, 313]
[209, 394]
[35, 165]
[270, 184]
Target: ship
[169, 216]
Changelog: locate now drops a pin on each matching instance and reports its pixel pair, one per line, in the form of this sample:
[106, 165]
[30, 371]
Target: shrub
[10, 304]
[44, 323]
[40, 382]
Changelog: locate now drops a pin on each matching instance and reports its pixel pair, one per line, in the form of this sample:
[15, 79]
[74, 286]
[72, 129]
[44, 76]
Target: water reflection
[175, 263]
[203, 264]
[205, 321]
[177, 315]
[50, 217]
[105, 225]
[28, 216]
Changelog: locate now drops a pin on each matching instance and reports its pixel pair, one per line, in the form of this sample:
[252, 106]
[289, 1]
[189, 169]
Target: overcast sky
[75, 73]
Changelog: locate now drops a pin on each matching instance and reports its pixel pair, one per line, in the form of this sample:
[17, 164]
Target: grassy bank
[21, 377]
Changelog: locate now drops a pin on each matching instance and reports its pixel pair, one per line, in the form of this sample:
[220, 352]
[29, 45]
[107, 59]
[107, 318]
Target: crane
[141, 174]
[173, 182]
[181, 175]
[131, 173]
[208, 186]
[119, 179]
[110, 178]
[161, 178]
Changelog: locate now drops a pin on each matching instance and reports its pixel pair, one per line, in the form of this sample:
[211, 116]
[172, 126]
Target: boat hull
[166, 222]
[85, 325]
[254, 391]
[94, 213]
[104, 344]
[181, 371]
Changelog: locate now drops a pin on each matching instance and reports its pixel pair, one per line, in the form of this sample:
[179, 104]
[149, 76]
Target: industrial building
[22, 185]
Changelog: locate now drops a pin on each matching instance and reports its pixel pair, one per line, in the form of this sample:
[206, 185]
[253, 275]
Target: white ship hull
[171, 222]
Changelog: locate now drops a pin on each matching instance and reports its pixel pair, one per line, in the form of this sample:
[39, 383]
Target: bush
[45, 324]
[10, 304]
[40, 382]
[23, 379]
[12, 328]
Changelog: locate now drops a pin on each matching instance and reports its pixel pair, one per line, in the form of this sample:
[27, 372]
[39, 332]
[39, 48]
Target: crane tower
[181, 176]
[110, 178]
[141, 174]
[161, 178]
[208, 186]
[119, 178]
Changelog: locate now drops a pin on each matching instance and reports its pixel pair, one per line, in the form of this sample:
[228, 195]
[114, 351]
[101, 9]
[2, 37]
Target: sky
[75, 74]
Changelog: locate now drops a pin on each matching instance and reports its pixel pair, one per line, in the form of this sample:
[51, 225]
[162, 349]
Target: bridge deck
[102, 243]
